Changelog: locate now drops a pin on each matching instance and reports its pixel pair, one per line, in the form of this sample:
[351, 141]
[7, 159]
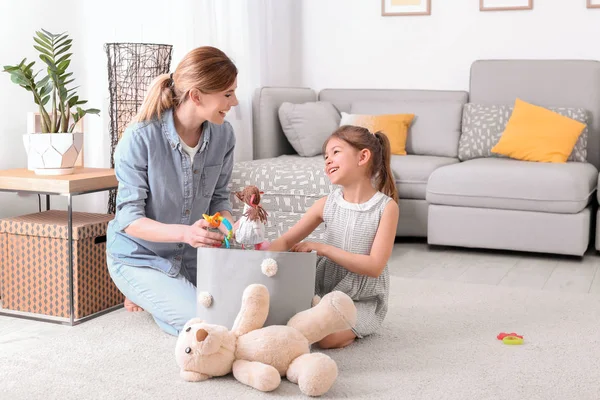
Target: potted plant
[53, 150]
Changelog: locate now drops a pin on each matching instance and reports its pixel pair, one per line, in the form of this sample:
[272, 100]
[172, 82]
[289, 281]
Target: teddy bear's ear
[191, 322]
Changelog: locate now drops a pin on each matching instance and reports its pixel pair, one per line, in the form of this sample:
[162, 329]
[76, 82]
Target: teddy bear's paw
[192, 376]
[260, 376]
[314, 373]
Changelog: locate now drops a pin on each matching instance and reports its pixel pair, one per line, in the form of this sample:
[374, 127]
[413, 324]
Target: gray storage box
[224, 274]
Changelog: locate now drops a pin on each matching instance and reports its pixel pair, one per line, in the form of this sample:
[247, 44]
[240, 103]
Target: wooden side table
[82, 181]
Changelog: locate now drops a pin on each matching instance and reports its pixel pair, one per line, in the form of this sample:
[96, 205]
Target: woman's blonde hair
[206, 68]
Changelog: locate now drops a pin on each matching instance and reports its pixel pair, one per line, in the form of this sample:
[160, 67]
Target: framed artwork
[593, 3]
[405, 7]
[505, 5]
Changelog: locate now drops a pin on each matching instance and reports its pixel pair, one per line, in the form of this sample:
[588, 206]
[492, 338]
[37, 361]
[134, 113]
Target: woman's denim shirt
[157, 181]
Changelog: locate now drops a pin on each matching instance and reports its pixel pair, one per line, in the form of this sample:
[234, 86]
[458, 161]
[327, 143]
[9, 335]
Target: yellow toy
[215, 222]
[259, 356]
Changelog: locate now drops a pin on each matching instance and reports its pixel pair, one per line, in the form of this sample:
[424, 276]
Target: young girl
[360, 219]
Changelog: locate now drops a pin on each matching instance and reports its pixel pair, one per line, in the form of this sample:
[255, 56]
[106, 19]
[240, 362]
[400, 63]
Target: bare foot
[131, 306]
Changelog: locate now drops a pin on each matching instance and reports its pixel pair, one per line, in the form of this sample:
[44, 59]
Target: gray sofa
[446, 194]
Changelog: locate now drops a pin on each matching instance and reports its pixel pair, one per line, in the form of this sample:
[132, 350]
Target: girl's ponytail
[385, 180]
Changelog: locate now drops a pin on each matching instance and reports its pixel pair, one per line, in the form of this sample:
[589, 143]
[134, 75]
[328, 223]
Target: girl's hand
[307, 247]
[197, 235]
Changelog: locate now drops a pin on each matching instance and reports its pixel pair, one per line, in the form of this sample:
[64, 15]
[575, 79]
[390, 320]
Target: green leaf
[63, 58]
[62, 66]
[92, 111]
[47, 89]
[54, 76]
[19, 73]
[58, 45]
[61, 38]
[44, 81]
[43, 44]
[73, 88]
[59, 52]
[48, 61]
[73, 101]
[44, 38]
[81, 102]
[8, 68]
[43, 51]
[45, 100]
[52, 36]
[19, 80]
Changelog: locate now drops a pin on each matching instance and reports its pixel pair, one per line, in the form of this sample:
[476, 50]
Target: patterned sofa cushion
[482, 127]
[291, 184]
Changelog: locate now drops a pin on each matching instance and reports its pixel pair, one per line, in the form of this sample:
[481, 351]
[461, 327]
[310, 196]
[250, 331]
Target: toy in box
[224, 273]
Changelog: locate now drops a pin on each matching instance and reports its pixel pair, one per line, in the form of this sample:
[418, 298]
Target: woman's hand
[307, 247]
[197, 235]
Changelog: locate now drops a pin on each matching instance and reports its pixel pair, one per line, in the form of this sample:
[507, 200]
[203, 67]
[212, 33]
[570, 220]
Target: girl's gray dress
[352, 227]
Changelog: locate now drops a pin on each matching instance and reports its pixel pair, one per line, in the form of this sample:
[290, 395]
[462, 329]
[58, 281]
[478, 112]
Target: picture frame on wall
[391, 8]
[505, 5]
[593, 3]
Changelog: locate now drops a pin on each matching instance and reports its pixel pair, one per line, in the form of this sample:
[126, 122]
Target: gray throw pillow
[483, 125]
[308, 125]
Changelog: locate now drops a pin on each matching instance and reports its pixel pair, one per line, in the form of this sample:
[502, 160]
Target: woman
[173, 164]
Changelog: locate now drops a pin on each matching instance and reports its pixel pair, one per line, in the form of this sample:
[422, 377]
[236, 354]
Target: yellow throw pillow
[394, 126]
[534, 133]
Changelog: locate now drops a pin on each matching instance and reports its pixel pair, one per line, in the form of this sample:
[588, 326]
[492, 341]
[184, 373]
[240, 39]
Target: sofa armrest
[268, 139]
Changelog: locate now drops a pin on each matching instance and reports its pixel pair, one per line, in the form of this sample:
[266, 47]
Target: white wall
[347, 43]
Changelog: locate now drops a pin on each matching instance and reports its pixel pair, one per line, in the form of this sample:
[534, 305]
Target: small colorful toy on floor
[217, 221]
[510, 338]
[250, 229]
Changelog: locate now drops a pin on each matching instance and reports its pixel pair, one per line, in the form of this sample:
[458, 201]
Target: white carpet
[439, 342]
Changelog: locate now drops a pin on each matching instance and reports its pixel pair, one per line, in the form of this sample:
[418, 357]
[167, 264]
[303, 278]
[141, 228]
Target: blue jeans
[170, 301]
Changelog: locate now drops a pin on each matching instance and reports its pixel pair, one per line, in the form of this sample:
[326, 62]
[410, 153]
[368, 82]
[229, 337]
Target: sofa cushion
[535, 133]
[412, 172]
[291, 183]
[514, 185]
[308, 125]
[483, 125]
[435, 130]
[394, 126]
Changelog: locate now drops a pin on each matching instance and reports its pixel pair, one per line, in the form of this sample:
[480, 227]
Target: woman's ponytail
[158, 99]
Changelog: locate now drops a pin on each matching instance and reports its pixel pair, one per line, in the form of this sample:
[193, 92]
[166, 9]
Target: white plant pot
[52, 153]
